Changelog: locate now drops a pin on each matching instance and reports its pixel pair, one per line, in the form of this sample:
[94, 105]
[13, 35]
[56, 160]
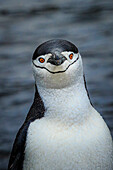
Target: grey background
[23, 26]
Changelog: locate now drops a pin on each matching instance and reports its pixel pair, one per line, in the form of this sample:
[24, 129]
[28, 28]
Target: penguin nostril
[57, 57]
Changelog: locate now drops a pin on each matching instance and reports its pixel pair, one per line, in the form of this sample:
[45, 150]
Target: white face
[57, 76]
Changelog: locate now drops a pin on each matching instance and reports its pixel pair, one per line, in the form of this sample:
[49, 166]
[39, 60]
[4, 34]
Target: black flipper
[17, 155]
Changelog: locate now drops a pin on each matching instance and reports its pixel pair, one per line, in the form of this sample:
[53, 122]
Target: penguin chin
[67, 78]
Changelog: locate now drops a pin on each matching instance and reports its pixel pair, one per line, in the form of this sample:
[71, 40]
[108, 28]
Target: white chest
[51, 145]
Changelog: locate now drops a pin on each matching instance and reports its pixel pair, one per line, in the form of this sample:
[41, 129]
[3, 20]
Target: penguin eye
[41, 60]
[71, 56]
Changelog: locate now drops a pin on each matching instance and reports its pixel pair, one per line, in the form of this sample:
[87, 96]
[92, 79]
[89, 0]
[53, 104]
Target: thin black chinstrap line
[57, 71]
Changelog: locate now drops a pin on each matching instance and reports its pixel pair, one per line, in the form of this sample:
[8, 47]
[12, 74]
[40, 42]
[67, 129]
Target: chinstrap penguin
[62, 130]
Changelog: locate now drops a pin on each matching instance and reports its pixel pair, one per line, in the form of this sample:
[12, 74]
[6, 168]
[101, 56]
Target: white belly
[51, 145]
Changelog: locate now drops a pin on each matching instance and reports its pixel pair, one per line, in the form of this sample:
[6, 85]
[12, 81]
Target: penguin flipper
[17, 154]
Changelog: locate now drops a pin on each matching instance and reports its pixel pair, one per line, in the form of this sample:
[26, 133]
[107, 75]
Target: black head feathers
[54, 45]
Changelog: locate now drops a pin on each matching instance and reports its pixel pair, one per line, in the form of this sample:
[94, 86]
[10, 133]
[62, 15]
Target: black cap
[54, 45]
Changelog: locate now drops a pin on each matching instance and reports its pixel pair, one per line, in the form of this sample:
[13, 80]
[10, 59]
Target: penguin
[62, 130]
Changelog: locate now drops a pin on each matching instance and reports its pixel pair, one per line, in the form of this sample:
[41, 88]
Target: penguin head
[56, 64]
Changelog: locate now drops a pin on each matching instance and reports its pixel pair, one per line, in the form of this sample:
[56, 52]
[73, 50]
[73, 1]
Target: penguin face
[56, 63]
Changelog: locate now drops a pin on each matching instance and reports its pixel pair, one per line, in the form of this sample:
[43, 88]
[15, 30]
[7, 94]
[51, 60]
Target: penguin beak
[57, 59]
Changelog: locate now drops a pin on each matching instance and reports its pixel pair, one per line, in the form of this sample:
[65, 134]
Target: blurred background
[24, 24]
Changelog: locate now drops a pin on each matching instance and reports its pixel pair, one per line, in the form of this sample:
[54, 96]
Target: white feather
[72, 135]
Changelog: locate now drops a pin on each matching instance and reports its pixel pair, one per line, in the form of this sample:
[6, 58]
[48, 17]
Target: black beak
[57, 59]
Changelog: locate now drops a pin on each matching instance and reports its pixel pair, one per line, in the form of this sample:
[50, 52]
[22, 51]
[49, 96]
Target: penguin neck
[69, 103]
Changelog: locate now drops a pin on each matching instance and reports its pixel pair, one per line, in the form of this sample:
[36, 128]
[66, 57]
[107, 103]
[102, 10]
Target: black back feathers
[54, 45]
